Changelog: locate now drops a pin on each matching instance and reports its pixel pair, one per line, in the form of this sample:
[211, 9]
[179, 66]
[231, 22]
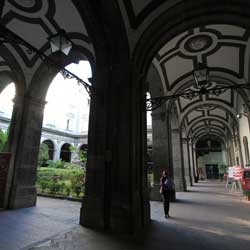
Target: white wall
[244, 131]
[212, 158]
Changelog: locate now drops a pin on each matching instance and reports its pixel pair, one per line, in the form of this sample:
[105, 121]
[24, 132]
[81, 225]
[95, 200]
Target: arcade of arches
[134, 47]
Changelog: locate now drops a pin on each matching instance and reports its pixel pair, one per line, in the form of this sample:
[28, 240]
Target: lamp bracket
[155, 102]
[7, 36]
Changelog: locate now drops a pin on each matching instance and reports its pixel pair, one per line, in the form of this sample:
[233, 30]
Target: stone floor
[23, 227]
[208, 217]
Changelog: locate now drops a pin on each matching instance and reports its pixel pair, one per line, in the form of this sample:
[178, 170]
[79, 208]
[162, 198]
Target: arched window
[65, 154]
[246, 150]
[84, 147]
[50, 145]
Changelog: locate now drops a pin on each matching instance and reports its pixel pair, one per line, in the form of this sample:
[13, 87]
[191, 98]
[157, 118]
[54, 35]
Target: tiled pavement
[208, 217]
[22, 227]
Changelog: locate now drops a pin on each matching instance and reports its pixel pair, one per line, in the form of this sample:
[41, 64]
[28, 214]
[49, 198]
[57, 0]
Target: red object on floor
[245, 180]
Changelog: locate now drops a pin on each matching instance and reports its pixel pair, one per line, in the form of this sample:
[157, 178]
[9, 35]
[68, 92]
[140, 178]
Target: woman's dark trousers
[166, 200]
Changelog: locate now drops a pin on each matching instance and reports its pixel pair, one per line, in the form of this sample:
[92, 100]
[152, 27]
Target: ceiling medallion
[198, 43]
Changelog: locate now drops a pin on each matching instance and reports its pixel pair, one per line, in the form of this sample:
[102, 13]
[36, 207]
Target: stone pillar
[14, 128]
[194, 163]
[117, 196]
[237, 151]
[186, 161]
[74, 155]
[23, 189]
[190, 151]
[240, 151]
[228, 154]
[178, 170]
[57, 151]
[232, 152]
[161, 156]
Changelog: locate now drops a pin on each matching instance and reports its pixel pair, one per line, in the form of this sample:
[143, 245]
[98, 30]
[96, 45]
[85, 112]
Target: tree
[81, 156]
[43, 154]
[3, 139]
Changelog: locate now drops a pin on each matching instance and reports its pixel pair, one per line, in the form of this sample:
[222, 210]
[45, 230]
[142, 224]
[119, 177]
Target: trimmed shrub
[63, 181]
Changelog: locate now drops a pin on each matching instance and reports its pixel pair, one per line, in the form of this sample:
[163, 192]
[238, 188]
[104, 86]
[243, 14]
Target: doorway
[212, 171]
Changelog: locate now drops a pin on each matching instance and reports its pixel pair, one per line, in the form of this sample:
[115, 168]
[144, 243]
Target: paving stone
[208, 217]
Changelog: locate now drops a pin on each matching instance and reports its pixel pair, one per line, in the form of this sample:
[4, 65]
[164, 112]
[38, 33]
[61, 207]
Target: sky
[64, 97]
[67, 99]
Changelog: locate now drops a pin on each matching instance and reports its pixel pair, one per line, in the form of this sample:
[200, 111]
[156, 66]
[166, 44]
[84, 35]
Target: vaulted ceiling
[224, 46]
[35, 21]
[225, 50]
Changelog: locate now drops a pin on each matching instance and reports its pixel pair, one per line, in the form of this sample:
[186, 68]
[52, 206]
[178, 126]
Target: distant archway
[209, 152]
[84, 147]
[65, 154]
[50, 145]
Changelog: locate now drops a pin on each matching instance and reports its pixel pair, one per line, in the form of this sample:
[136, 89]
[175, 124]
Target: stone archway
[13, 75]
[84, 147]
[32, 118]
[116, 186]
[210, 153]
[51, 148]
[65, 154]
[169, 30]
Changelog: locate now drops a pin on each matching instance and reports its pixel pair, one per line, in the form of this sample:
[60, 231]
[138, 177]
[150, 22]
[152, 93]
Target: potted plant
[222, 170]
[247, 194]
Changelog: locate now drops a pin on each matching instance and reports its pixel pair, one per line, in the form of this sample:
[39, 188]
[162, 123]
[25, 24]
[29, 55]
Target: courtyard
[207, 217]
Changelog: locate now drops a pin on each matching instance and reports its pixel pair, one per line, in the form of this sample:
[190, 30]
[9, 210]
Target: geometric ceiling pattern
[34, 21]
[225, 50]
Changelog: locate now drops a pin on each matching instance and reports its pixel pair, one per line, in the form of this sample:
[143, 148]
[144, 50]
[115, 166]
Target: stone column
[96, 202]
[23, 189]
[232, 152]
[240, 151]
[237, 152]
[74, 155]
[178, 170]
[161, 155]
[191, 160]
[194, 162]
[186, 161]
[228, 154]
[14, 130]
[117, 196]
[57, 151]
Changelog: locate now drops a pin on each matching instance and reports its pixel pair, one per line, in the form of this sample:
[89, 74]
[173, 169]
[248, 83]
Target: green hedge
[66, 181]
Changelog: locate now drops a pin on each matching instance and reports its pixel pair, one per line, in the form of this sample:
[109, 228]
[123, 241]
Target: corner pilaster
[23, 189]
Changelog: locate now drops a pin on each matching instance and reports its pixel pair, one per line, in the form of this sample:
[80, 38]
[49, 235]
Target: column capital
[35, 101]
[158, 116]
[184, 140]
[175, 130]
[17, 100]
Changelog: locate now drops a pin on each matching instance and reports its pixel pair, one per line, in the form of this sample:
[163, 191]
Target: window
[68, 124]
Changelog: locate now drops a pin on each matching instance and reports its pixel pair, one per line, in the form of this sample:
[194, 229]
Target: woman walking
[166, 191]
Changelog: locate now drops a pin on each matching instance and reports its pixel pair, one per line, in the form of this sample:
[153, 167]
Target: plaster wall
[244, 131]
[211, 158]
